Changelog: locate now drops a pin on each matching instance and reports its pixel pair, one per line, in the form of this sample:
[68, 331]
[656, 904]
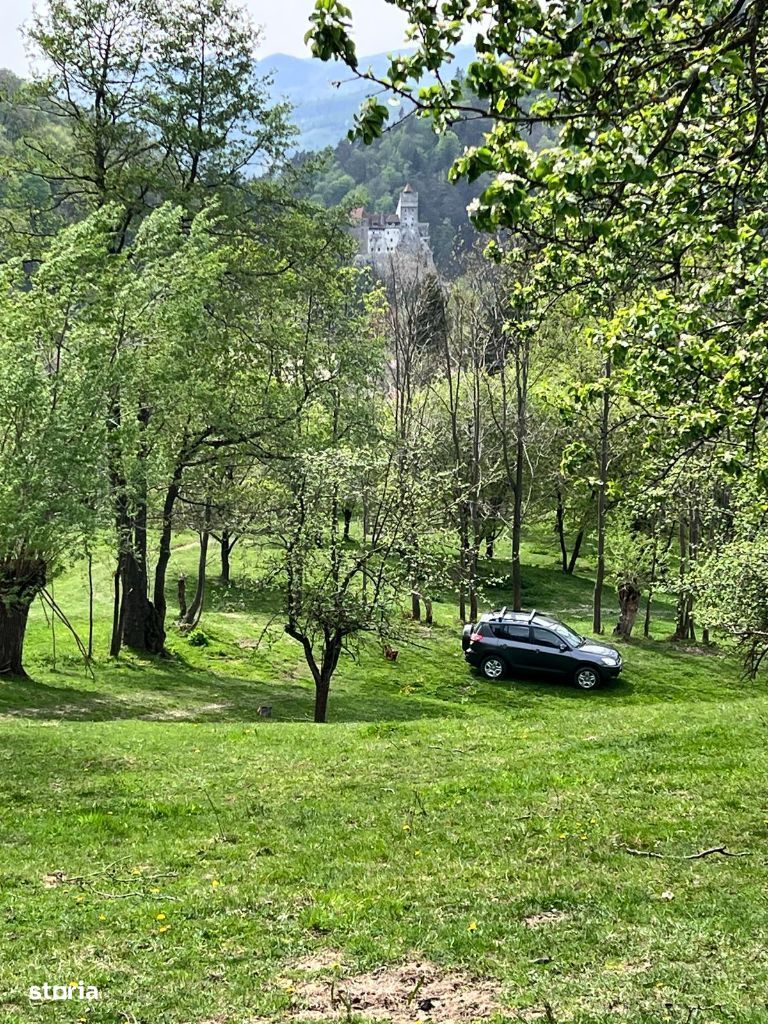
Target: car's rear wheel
[492, 667]
[587, 678]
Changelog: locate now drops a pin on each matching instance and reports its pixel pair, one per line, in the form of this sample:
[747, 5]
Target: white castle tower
[408, 208]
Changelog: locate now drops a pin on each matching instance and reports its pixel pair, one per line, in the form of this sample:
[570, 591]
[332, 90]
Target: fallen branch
[722, 850]
[128, 895]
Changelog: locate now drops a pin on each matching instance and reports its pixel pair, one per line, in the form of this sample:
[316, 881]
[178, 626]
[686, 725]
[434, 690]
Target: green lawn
[207, 851]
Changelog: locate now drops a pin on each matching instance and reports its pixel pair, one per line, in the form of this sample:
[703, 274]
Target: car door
[547, 653]
[516, 645]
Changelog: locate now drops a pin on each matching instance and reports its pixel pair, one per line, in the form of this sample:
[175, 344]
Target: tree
[463, 414]
[730, 580]
[335, 591]
[334, 594]
[415, 326]
[161, 102]
[51, 392]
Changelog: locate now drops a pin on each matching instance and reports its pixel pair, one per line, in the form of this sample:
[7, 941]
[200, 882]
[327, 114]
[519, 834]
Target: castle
[394, 241]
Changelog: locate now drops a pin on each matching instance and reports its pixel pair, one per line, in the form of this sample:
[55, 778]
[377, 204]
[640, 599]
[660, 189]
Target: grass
[434, 816]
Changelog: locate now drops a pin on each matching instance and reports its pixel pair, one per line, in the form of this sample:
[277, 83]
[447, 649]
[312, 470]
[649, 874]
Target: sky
[377, 27]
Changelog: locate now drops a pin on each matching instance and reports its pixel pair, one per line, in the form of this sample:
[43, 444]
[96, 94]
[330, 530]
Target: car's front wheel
[492, 667]
[587, 678]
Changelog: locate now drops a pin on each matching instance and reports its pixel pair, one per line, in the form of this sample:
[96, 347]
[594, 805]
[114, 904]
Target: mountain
[324, 96]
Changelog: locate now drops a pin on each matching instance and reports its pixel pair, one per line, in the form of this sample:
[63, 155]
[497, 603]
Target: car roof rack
[532, 616]
[503, 612]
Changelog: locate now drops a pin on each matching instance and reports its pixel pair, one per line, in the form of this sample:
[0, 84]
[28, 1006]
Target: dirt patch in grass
[319, 962]
[178, 714]
[416, 991]
[544, 918]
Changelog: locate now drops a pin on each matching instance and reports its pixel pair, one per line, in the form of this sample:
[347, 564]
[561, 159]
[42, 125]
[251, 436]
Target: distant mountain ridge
[323, 110]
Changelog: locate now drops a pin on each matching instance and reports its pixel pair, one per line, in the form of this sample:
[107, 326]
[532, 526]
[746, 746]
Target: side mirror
[563, 647]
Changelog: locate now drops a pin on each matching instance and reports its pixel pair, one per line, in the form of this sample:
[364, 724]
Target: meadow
[201, 864]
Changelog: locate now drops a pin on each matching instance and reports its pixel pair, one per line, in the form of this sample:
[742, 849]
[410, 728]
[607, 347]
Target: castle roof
[407, 188]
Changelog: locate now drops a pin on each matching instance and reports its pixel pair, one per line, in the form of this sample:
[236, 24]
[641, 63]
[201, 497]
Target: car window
[513, 632]
[568, 634]
[545, 637]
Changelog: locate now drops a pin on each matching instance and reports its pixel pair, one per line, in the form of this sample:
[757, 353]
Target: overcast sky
[378, 26]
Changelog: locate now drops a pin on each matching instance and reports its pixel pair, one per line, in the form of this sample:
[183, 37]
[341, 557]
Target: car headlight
[610, 659]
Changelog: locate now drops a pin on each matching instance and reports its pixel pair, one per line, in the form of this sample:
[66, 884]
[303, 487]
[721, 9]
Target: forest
[249, 488]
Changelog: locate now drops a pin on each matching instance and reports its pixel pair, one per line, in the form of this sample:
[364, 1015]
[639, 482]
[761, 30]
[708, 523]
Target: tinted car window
[544, 636]
[511, 632]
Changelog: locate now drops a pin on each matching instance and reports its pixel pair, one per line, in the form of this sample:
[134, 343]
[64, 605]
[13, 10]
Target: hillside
[484, 825]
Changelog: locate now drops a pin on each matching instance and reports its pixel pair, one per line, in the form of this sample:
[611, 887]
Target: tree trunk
[597, 605]
[347, 520]
[648, 607]
[428, 611]
[517, 523]
[323, 675]
[13, 626]
[473, 598]
[651, 585]
[415, 606]
[576, 552]
[117, 632]
[463, 562]
[597, 610]
[142, 628]
[195, 610]
[225, 553]
[181, 590]
[164, 551]
[90, 606]
[322, 689]
[489, 547]
[560, 530]
[20, 582]
[629, 602]
[683, 619]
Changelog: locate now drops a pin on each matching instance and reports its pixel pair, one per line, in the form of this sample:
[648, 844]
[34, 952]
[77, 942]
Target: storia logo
[54, 993]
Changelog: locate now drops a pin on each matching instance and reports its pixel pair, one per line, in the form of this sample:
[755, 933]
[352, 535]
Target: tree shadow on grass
[681, 679]
[171, 691]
